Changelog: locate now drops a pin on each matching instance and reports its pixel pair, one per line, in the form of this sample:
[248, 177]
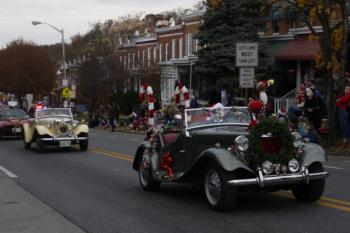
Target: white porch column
[299, 78]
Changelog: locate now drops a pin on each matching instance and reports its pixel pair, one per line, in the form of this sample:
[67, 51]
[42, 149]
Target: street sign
[73, 87]
[73, 94]
[29, 97]
[66, 92]
[246, 77]
[247, 54]
[64, 82]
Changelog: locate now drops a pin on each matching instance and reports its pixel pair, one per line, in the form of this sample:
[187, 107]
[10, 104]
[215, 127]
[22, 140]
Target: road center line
[111, 155]
[8, 173]
[332, 167]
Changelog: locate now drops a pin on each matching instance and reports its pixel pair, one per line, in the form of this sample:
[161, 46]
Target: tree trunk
[344, 52]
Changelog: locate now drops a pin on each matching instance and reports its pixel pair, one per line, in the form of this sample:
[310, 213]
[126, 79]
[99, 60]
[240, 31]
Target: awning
[298, 49]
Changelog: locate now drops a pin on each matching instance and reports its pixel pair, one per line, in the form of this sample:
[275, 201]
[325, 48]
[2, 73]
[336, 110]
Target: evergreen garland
[281, 132]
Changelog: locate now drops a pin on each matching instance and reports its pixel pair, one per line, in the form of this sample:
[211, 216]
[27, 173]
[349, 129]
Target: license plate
[17, 130]
[65, 143]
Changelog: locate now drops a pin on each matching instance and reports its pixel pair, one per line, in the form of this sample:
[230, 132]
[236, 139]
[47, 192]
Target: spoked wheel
[145, 177]
[220, 195]
[313, 191]
[84, 145]
[27, 145]
[40, 146]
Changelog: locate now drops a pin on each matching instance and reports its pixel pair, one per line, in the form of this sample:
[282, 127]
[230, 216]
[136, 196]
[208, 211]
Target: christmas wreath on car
[271, 140]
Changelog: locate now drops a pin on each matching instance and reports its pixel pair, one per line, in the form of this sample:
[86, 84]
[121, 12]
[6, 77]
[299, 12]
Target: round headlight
[242, 143]
[293, 165]
[298, 140]
[268, 167]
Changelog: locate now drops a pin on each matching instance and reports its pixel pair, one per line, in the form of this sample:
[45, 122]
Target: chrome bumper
[57, 139]
[263, 181]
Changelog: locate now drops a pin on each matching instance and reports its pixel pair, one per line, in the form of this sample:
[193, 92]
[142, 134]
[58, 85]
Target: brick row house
[164, 56]
[170, 52]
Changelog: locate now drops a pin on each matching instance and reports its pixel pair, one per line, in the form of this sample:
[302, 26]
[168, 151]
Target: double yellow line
[111, 154]
[324, 201]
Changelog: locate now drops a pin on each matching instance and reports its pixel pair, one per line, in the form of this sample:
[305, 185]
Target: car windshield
[53, 112]
[216, 116]
[13, 113]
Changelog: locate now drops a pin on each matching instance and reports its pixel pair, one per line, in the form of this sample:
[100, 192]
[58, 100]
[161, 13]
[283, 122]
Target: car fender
[313, 153]
[28, 132]
[225, 159]
[81, 128]
[42, 130]
[138, 154]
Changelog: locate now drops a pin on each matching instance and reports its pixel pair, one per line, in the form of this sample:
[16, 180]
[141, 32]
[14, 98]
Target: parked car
[216, 149]
[55, 127]
[11, 122]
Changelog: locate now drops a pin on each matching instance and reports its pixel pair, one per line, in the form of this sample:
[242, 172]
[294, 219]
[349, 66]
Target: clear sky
[73, 16]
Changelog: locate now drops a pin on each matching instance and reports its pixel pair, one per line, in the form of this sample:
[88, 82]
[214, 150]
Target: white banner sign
[246, 77]
[247, 55]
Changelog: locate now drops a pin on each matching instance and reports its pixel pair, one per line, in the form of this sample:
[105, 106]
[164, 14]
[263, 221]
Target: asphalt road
[98, 191]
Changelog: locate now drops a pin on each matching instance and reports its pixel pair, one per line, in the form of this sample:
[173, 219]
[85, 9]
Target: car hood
[13, 121]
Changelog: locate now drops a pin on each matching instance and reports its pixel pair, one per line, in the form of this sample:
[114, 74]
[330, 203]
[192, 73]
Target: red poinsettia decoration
[167, 162]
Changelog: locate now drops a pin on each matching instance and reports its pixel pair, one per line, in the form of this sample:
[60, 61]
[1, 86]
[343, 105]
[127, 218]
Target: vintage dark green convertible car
[215, 148]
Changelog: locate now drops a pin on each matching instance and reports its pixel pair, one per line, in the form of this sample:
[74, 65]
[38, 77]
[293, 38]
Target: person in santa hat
[261, 88]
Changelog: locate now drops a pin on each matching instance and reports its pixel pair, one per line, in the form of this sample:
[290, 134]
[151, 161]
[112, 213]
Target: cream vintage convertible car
[55, 127]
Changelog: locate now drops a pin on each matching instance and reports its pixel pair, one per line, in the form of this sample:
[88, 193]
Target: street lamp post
[63, 45]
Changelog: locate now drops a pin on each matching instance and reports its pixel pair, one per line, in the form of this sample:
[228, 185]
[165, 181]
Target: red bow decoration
[167, 161]
[255, 106]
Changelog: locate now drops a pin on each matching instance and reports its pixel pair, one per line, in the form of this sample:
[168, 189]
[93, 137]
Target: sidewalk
[21, 212]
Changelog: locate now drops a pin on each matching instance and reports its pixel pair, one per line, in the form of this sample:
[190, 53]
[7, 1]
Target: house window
[160, 52]
[143, 57]
[189, 44]
[129, 60]
[149, 57]
[155, 55]
[291, 24]
[173, 48]
[181, 45]
[138, 58]
[166, 51]
[276, 26]
[196, 46]
[133, 60]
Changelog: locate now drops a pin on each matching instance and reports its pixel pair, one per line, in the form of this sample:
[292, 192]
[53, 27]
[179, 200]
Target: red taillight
[39, 106]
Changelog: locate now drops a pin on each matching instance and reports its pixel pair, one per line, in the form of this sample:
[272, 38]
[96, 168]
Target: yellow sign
[66, 92]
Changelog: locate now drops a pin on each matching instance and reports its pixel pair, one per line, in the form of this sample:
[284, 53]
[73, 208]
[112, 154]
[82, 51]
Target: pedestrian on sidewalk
[313, 108]
[343, 104]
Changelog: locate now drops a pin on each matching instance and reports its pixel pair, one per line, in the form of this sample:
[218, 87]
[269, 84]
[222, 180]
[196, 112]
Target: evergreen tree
[226, 22]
